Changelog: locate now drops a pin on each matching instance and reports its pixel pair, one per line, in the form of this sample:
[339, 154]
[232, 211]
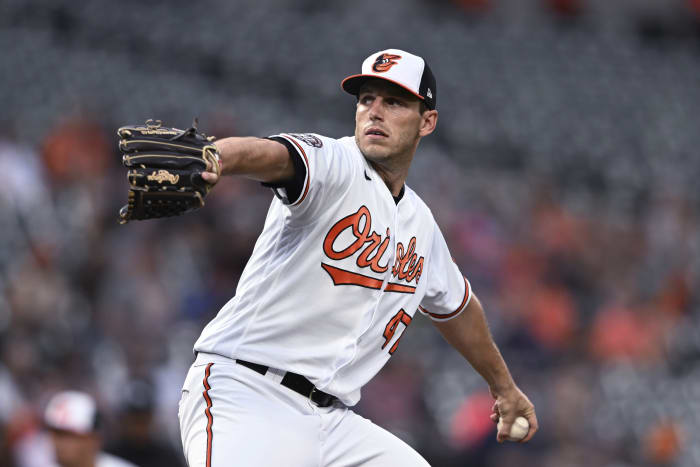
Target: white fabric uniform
[334, 279]
[253, 421]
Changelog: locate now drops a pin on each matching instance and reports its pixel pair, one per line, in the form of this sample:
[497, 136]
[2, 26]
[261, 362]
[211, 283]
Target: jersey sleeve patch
[448, 316]
[309, 139]
[293, 191]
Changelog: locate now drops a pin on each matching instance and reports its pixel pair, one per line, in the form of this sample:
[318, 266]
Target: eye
[366, 99]
[391, 101]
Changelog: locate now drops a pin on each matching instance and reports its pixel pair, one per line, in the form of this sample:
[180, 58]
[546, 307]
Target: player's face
[73, 449]
[388, 121]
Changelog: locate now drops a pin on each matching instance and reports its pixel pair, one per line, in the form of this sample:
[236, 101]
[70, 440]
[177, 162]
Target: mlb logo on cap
[404, 69]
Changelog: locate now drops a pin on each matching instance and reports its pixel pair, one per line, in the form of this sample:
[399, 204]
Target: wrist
[502, 388]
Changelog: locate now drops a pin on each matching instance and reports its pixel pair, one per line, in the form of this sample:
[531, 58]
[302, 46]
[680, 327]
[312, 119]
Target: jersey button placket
[393, 243]
[392, 254]
[376, 310]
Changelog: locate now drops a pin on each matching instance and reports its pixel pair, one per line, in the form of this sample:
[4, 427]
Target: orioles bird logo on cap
[384, 62]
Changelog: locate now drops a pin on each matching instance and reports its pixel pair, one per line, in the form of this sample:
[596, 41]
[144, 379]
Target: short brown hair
[423, 107]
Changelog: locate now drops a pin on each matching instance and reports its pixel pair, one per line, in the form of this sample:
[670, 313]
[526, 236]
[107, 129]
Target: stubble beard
[386, 154]
[374, 152]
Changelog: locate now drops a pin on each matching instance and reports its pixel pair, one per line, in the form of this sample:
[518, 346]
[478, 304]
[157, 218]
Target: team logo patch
[384, 62]
[310, 140]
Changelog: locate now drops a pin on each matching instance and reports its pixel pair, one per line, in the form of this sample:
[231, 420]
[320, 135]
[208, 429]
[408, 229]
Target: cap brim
[353, 83]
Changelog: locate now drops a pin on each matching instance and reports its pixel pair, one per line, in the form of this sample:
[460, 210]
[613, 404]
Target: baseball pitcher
[347, 257]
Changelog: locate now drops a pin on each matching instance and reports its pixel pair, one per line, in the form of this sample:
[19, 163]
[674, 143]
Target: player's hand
[212, 173]
[509, 405]
[210, 177]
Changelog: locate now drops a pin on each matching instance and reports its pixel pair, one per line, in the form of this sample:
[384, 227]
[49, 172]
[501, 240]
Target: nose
[376, 109]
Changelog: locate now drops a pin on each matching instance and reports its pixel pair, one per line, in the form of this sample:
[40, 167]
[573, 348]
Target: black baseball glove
[165, 169]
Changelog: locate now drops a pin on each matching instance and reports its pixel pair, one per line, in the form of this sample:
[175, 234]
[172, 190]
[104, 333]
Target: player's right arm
[457, 313]
[261, 159]
[469, 334]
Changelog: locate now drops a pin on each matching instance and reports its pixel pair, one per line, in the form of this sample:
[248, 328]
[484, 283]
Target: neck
[394, 178]
[394, 170]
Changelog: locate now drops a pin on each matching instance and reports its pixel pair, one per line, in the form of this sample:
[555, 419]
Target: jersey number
[390, 329]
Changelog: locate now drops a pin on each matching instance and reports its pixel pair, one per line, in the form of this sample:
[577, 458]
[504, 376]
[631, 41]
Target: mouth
[374, 132]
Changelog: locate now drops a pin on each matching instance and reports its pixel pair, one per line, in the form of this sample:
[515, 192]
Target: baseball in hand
[518, 430]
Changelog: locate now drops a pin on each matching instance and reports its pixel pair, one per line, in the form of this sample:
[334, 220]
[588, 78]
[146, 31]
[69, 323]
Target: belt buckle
[311, 394]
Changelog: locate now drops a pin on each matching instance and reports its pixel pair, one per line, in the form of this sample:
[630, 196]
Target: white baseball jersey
[337, 274]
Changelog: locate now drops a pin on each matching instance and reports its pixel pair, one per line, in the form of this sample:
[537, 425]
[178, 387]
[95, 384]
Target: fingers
[506, 409]
[495, 414]
[504, 430]
[210, 177]
[213, 161]
[534, 426]
[503, 419]
[213, 171]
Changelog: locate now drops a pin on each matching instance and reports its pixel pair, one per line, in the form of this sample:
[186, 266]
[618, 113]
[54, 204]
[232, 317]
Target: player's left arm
[469, 334]
[260, 159]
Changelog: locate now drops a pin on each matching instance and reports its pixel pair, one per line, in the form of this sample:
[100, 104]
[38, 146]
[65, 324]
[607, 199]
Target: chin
[374, 151]
[374, 154]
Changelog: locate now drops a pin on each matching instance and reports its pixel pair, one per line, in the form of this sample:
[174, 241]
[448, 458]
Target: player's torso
[330, 297]
[377, 244]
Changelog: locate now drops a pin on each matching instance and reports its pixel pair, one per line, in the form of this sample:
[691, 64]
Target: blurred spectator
[76, 150]
[137, 437]
[567, 8]
[621, 332]
[74, 423]
[695, 7]
[472, 6]
[664, 442]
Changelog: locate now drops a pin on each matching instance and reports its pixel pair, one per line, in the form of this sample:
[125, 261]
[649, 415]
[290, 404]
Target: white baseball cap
[404, 69]
[72, 411]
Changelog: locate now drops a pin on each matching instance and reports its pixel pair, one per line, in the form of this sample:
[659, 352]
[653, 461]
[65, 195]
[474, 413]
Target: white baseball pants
[231, 415]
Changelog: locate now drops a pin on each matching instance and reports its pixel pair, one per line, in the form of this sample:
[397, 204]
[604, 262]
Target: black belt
[296, 383]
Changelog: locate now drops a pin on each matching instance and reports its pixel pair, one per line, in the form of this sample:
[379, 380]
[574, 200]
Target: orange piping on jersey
[343, 277]
[459, 308]
[207, 412]
[307, 182]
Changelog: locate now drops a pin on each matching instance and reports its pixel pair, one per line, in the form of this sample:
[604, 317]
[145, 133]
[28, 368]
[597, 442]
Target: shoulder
[310, 144]
[324, 150]
[310, 141]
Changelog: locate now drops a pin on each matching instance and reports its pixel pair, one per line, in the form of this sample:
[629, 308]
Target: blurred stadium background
[563, 173]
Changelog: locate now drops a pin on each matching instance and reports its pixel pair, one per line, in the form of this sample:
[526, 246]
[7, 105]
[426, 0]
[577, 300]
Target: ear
[428, 122]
